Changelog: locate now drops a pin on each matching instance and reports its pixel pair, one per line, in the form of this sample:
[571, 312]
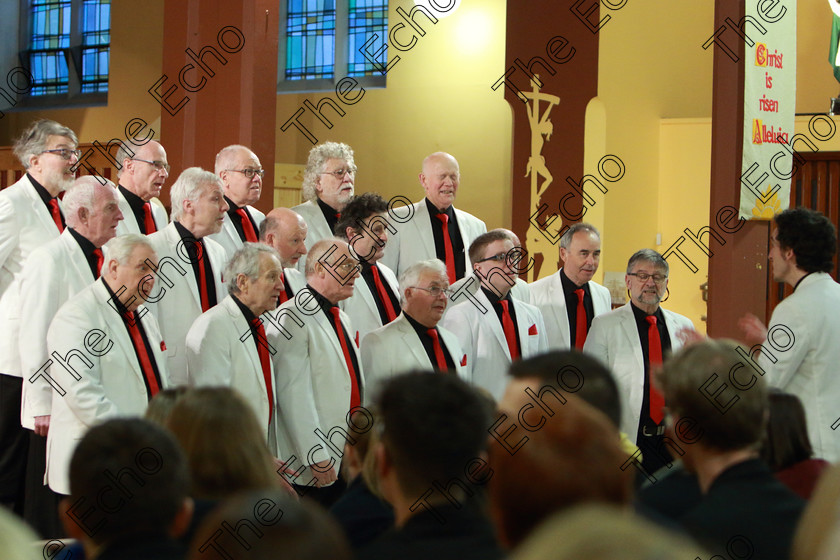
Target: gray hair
[188, 187]
[318, 157]
[82, 194]
[318, 250]
[411, 275]
[647, 255]
[246, 260]
[123, 153]
[566, 240]
[226, 154]
[120, 248]
[33, 141]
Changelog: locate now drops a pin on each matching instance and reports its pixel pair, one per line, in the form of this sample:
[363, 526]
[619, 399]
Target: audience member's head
[223, 442]
[144, 169]
[432, 428]
[571, 455]
[331, 269]
[787, 441]
[363, 224]
[17, 541]
[358, 460]
[269, 525]
[600, 531]
[285, 230]
[127, 477]
[329, 174]
[803, 239]
[818, 527]
[423, 290]
[161, 405]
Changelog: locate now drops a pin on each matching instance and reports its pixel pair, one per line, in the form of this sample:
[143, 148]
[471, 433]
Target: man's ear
[563, 254]
[182, 519]
[71, 528]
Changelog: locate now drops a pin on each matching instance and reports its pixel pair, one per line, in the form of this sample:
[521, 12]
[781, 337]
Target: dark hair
[272, 525]
[433, 425]
[787, 441]
[573, 371]
[479, 243]
[811, 235]
[143, 469]
[359, 209]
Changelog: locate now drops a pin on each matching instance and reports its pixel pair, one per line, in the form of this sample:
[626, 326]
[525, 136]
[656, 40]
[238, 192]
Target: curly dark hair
[811, 235]
[359, 209]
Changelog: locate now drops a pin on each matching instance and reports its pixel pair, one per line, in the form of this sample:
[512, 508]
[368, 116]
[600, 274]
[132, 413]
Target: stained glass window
[366, 18]
[96, 44]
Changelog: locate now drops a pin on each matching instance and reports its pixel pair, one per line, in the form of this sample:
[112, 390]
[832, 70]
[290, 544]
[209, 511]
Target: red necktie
[142, 354]
[99, 259]
[580, 323]
[510, 330]
[447, 246]
[355, 398]
[148, 220]
[284, 295]
[383, 294]
[247, 226]
[265, 363]
[202, 277]
[657, 401]
[439, 357]
[56, 214]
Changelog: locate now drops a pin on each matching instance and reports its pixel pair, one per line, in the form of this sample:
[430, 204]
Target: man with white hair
[111, 353]
[327, 187]
[141, 177]
[319, 376]
[285, 231]
[30, 215]
[434, 228]
[241, 173]
[217, 352]
[198, 210]
[52, 274]
[414, 341]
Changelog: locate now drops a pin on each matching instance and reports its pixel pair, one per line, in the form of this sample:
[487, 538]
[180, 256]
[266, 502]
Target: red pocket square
[464, 361]
[532, 330]
[162, 346]
[357, 339]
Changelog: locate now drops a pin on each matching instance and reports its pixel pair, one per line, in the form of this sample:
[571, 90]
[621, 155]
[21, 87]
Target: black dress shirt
[136, 204]
[429, 344]
[569, 288]
[46, 197]
[191, 243]
[380, 305]
[87, 249]
[454, 235]
[236, 219]
[330, 214]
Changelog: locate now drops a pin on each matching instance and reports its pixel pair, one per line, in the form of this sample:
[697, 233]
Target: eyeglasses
[348, 265]
[499, 258]
[339, 173]
[64, 153]
[250, 172]
[436, 291]
[644, 276]
[159, 165]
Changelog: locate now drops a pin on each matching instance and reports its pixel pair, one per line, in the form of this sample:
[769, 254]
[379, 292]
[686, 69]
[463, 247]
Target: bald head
[331, 269]
[440, 179]
[285, 230]
[138, 175]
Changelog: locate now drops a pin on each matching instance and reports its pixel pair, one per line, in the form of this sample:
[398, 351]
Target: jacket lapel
[631, 334]
[493, 322]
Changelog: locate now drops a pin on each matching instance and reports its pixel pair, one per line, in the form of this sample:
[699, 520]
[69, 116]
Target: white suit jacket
[414, 240]
[228, 237]
[361, 306]
[614, 339]
[295, 279]
[52, 274]
[217, 355]
[312, 383]
[112, 386]
[395, 348]
[25, 223]
[317, 224]
[129, 223]
[176, 303]
[482, 338]
[805, 343]
[547, 294]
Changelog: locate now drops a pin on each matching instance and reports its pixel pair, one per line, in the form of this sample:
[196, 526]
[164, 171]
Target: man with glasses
[141, 178]
[633, 340]
[436, 228]
[318, 373]
[414, 341]
[242, 175]
[30, 216]
[494, 328]
[327, 187]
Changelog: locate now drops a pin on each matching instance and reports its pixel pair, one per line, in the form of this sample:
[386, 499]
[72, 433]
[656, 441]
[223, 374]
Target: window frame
[319, 85]
[72, 54]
